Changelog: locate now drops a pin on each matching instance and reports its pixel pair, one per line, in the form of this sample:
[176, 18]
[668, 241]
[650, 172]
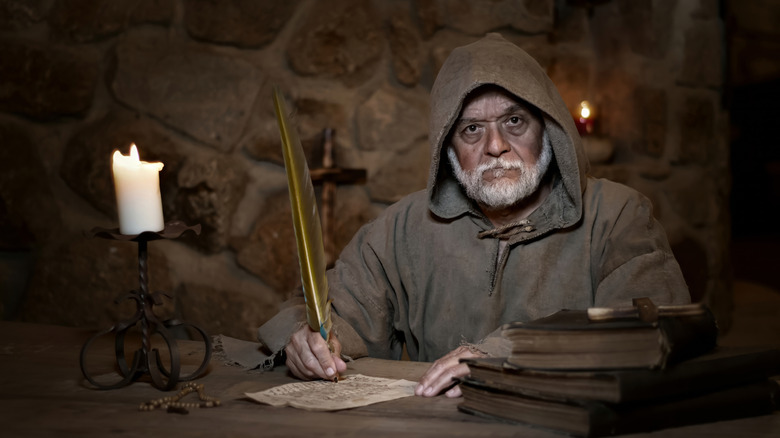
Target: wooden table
[42, 393]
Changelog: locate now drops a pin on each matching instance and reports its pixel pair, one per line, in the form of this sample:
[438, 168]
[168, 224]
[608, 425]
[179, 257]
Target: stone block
[270, 250]
[86, 161]
[617, 173]
[227, 312]
[243, 23]
[205, 95]
[76, 283]
[651, 114]
[312, 116]
[45, 81]
[703, 54]
[84, 21]
[710, 9]
[599, 150]
[608, 33]
[757, 16]
[617, 117]
[21, 14]
[263, 142]
[199, 188]
[427, 16]
[354, 209]
[571, 25]
[693, 197]
[441, 45]
[210, 188]
[571, 76]
[405, 49]
[15, 273]
[753, 61]
[29, 214]
[478, 18]
[655, 170]
[152, 12]
[646, 25]
[697, 130]
[395, 174]
[309, 117]
[338, 39]
[392, 120]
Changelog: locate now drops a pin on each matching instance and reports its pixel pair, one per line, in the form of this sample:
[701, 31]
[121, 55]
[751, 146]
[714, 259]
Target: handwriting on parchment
[350, 392]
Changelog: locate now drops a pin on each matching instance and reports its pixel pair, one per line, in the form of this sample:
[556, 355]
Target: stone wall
[189, 82]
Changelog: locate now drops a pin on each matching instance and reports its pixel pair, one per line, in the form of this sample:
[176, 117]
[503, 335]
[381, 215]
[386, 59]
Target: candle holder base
[146, 360]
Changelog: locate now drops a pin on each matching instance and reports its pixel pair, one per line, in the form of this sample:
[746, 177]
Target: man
[510, 228]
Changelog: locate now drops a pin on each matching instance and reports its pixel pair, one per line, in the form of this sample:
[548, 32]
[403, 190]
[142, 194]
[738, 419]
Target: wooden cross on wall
[330, 176]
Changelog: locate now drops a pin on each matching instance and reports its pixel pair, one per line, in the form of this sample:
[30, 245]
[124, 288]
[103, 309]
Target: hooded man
[510, 228]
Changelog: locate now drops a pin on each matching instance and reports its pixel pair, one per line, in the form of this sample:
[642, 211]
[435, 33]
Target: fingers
[445, 377]
[443, 374]
[308, 356]
[341, 366]
[454, 392]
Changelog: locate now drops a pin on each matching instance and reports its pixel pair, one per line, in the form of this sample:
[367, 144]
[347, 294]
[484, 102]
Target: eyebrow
[515, 108]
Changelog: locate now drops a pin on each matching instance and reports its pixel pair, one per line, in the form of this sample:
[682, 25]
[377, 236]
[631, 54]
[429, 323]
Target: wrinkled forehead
[489, 91]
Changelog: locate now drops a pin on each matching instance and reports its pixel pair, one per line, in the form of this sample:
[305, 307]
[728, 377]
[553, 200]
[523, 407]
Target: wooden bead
[173, 403]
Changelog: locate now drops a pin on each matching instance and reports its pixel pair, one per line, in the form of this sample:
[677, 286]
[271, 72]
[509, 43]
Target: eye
[470, 133]
[515, 124]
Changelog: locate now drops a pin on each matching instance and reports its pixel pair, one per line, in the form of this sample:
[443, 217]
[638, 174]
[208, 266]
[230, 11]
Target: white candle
[137, 185]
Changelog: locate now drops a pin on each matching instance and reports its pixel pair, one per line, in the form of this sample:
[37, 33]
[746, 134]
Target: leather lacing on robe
[503, 234]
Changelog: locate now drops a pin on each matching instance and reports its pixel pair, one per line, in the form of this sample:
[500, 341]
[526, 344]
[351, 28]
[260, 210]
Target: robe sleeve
[493, 345]
[367, 289]
[276, 333]
[631, 255]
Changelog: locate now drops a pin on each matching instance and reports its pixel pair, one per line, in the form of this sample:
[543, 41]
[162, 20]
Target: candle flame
[133, 159]
[134, 153]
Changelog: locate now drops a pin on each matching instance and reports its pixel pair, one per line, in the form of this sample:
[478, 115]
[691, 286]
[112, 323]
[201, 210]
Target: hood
[494, 60]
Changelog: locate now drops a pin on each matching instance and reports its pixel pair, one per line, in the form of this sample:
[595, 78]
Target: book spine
[687, 337]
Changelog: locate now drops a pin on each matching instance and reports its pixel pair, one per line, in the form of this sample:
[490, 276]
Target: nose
[496, 144]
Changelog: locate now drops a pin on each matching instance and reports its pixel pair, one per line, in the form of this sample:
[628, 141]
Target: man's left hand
[441, 374]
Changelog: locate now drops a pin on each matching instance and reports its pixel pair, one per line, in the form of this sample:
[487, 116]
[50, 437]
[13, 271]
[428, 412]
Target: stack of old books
[613, 371]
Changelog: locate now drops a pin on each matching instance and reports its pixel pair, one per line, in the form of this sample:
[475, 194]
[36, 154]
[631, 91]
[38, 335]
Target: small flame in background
[585, 118]
[584, 109]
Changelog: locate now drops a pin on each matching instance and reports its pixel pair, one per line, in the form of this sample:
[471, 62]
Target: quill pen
[306, 221]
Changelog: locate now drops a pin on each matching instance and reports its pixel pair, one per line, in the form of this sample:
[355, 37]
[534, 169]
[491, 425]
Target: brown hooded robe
[428, 273]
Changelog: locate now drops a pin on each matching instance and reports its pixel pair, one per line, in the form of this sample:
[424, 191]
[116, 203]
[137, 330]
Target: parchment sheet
[350, 392]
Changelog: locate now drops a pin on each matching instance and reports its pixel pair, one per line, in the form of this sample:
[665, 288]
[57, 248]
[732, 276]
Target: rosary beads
[172, 404]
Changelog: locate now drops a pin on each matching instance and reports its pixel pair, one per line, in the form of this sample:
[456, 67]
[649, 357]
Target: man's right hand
[308, 355]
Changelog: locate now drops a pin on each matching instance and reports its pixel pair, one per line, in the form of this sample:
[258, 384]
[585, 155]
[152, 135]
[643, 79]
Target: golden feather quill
[306, 221]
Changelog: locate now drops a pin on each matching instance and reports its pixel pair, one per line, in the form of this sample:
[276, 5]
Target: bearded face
[501, 192]
[499, 149]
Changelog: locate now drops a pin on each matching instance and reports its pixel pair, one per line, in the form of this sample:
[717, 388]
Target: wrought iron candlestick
[146, 360]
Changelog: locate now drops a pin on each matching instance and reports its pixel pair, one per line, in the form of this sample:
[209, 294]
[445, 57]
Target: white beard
[503, 193]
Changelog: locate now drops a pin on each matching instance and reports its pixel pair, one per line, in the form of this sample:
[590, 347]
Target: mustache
[500, 164]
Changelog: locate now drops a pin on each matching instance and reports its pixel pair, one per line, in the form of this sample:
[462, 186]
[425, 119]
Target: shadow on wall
[755, 159]
[755, 194]
[693, 263]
